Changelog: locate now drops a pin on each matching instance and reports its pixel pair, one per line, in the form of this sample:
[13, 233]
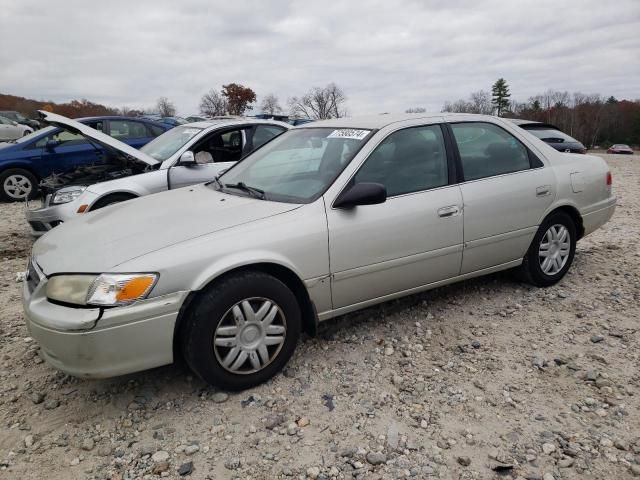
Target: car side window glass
[125, 129]
[409, 160]
[487, 150]
[219, 147]
[155, 131]
[63, 137]
[264, 133]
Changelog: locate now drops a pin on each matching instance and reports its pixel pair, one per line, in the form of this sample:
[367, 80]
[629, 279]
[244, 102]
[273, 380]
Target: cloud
[387, 56]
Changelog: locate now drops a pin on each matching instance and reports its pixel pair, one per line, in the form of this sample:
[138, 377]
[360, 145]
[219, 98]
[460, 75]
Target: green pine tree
[500, 96]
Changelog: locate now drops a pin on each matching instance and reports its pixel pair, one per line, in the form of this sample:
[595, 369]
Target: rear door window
[127, 129]
[264, 133]
[487, 150]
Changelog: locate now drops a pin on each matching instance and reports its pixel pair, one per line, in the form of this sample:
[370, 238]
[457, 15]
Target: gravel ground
[488, 378]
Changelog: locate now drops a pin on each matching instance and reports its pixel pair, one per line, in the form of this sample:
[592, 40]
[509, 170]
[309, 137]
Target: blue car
[27, 160]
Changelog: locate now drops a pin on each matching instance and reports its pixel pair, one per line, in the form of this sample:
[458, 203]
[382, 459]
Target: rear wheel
[111, 200]
[551, 252]
[241, 331]
[17, 184]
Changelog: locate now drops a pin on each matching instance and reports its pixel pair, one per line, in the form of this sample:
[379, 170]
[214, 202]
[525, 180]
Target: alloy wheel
[554, 249]
[250, 335]
[17, 186]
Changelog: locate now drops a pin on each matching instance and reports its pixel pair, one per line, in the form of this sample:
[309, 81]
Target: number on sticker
[349, 133]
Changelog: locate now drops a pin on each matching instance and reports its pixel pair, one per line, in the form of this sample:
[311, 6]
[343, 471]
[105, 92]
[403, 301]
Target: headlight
[67, 195]
[107, 289]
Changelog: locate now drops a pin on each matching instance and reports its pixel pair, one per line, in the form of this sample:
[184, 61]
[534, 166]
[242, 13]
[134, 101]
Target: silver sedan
[323, 220]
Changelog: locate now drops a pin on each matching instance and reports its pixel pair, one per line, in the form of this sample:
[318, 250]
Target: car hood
[100, 241]
[96, 136]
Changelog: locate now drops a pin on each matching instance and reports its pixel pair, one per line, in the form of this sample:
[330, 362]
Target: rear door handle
[449, 211]
[543, 191]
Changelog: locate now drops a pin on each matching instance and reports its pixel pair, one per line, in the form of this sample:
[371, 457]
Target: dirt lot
[485, 379]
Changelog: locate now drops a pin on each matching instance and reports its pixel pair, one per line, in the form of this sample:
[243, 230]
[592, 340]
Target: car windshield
[36, 134]
[296, 167]
[551, 135]
[165, 145]
[621, 145]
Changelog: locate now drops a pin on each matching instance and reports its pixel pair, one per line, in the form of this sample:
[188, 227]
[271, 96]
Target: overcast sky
[386, 55]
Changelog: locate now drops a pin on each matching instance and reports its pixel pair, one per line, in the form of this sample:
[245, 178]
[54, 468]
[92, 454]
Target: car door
[8, 131]
[412, 239]
[506, 190]
[214, 153]
[63, 150]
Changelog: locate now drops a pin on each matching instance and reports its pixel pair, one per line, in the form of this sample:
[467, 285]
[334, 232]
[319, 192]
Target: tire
[17, 184]
[111, 200]
[551, 232]
[209, 333]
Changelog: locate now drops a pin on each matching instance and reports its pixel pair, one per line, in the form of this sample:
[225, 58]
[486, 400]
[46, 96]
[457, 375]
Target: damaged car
[183, 156]
[327, 218]
[26, 160]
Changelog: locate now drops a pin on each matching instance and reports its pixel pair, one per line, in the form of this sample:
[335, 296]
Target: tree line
[593, 119]
[232, 99]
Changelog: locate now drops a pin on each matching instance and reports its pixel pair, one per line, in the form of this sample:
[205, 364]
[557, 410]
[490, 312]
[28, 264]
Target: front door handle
[449, 211]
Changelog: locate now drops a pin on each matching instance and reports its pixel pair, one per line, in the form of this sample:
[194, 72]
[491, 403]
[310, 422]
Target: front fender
[244, 259]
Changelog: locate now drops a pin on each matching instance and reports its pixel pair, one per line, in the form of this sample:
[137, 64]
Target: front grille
[38, 226]
[33, 277]
[55, 223]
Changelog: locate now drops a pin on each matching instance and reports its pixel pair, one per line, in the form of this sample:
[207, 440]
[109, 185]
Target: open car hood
[94, 135]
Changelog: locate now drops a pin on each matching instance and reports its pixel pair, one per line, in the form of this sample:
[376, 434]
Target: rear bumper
[93, 344]
[598, 217]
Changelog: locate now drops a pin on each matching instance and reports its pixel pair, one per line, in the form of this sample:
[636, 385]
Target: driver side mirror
[187, 159]
[364, 193]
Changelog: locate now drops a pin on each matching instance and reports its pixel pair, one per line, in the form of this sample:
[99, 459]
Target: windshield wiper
[253, 191]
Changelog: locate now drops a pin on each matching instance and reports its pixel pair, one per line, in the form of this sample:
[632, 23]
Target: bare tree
[481, 102]
[213, 104]
[320, 103]
[415, 110]
[459, 106]
[165, 107]
[270, 105]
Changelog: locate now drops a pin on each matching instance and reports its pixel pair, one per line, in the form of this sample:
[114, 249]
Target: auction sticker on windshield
[349, 133]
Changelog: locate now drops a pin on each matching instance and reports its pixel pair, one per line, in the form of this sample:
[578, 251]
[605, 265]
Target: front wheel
[17, 184]
[241, 331]
[551, 252]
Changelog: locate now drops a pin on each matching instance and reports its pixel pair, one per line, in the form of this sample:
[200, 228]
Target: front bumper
[100, 343]
[42, 217]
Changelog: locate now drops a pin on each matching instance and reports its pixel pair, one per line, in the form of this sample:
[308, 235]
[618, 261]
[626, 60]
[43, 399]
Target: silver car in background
[183, 156]
[323, 220]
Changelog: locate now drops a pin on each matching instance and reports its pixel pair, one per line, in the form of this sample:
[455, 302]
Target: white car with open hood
[325, 219]
[185, 155]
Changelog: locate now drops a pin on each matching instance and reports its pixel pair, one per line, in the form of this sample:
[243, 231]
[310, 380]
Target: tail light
[609, 179]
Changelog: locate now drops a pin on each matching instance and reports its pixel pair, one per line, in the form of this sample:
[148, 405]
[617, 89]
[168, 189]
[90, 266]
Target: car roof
[531, 123]
[117, 117]
[370, 121]
[231, 123]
